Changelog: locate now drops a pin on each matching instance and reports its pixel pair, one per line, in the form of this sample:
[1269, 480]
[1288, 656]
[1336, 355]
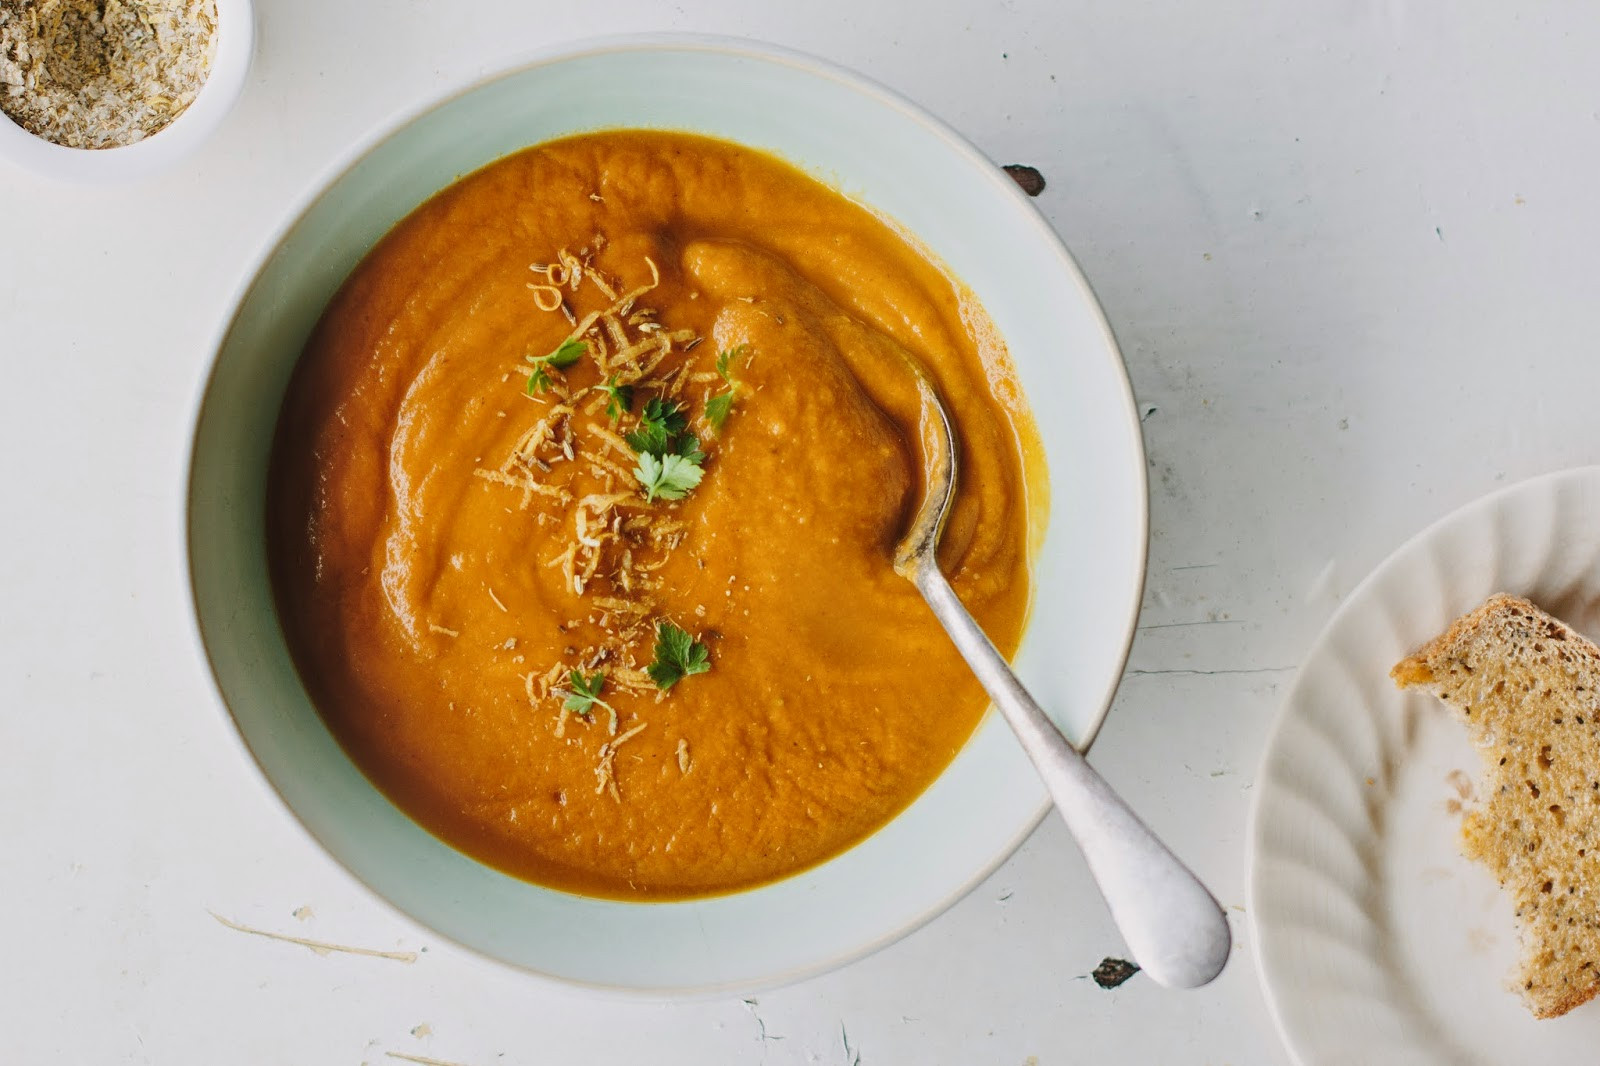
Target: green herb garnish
[678, 655]
[669, 476]
[570, 352]
[717, 408]
[688, 447]
[621, 398]
[669, 457]
[726, 358]
[659, 426]
[585, 692]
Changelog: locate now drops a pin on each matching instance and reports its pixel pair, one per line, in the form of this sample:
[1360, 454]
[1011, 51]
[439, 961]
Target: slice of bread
[1527, 687]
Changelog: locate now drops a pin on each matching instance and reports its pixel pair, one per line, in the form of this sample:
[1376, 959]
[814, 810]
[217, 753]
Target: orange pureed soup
[582, 505]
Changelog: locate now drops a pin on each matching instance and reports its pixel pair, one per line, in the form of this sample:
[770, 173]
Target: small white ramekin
[236, 32]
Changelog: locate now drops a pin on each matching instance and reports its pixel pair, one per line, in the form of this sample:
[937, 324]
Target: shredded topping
[606, 771]
[627, 440]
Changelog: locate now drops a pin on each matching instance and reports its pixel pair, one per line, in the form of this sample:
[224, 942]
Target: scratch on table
[1202, 622]
[319, 946]
[852, 1055]
[751, 1005]
[423, 1059]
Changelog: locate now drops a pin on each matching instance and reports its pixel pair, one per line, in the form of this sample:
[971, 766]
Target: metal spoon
[1172, 925]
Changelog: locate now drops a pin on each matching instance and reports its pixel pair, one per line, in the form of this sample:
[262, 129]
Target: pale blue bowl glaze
[877, 148]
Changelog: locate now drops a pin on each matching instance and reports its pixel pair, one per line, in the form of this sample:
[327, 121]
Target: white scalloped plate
[1377, 942]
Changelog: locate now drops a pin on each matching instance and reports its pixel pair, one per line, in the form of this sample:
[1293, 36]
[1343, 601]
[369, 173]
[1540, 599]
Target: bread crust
[1573, 999]
[1417, 669]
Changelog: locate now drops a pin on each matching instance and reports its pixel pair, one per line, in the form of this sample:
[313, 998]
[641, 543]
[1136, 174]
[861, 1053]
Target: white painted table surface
[1350, 250]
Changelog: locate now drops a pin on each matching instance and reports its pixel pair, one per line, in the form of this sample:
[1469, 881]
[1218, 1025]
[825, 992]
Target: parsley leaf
[569, 352]
[670, 413]
[718, 407]
[669, 456]
[585, 693]
[678, 655]
[688, 447]
[621, 398]
[649, 439]
[659, 426]
[670, 476]
[726, 358]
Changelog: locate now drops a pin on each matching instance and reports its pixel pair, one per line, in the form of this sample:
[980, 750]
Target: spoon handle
[1174, 928]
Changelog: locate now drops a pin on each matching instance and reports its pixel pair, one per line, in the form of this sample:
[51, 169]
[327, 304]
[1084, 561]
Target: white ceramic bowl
[236, 33]
[877, 148]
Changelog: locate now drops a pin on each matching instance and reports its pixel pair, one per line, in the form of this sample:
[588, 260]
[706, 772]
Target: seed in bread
[1527, 687]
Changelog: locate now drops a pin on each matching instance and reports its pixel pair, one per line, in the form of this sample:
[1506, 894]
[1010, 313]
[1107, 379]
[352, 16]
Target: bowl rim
[224, 84]
[322, 180]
